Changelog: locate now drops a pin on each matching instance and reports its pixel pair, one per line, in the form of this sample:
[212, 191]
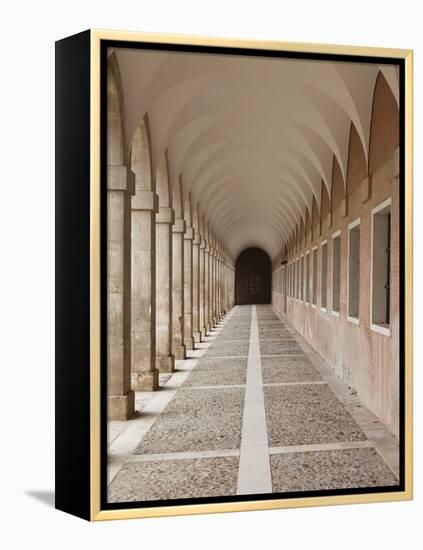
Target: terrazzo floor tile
[211, 363]
[238, 325]
[220, 375]
[228, 349]
[267, 317]
[340, 469]
[307, 414]
[171, 479]
[275, 335]
[266, 325]
[283, 360]
[268, 347]
[233, 335]
[279, 335]
[197, 420]
[289, 372]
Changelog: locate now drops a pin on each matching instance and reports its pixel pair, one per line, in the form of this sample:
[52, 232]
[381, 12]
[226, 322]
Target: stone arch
[384, 131]
[357, 162]
[140, 157]
[121, 400]
[163, 188]
[116, 145]
[143, 265]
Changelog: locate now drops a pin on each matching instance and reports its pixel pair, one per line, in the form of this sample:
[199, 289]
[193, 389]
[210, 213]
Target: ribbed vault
[251, 140]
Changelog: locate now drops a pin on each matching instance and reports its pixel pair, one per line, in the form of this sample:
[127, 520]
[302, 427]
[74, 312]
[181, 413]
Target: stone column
[196, 327]
[188, 293]
[221, 306]
[178, 345]
[145, 376]
[120, 397]
[213, 288]
[207, 289]
[202, 289]
[165, 360]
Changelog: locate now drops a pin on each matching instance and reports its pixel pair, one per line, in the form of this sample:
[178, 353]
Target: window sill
[354, 320]
[385, 331]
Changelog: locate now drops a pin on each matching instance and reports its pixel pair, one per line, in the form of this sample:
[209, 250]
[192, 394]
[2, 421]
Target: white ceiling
[251, 138]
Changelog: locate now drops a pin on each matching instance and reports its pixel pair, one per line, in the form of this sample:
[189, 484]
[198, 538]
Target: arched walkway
[253, 275]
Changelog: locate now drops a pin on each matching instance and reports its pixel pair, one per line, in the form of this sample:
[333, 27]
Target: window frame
[324, 309]
[314, 268]
[384, 331]
[351, 318]
[335, 236]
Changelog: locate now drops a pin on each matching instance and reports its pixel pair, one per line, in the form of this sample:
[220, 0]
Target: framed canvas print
[233, 275]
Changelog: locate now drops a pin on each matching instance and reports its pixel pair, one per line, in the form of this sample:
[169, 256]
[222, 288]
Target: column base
[189, 343]
[203, 333]
[179, 352]
[145, 381]
[121, 407]
[197, 337]
[165, 364]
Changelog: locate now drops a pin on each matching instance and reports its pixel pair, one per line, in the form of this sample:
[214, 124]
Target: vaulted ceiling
[251, 138]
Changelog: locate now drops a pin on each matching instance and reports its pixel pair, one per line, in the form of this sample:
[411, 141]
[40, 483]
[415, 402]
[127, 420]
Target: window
[314, 279]
[324, 286]
[307, 278]
[381, 267]
[336, 272]
[290, 280]
[354, 270]
[302, 279]
[298, 278]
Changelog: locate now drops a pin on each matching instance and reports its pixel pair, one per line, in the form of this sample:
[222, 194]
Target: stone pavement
[253, 410]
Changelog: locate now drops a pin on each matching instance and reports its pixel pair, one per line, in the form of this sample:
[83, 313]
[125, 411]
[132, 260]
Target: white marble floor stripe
[343, 445]
[183, 455]
[254, 476]
[301, 383]
[217, 387]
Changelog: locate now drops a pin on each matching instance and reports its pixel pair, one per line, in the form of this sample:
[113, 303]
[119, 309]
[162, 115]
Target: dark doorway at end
[253, 277]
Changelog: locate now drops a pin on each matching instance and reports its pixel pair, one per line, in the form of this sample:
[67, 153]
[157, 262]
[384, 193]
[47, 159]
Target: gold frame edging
[130, 513]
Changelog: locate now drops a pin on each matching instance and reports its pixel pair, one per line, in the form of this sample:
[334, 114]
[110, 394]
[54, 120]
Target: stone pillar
[178, 345]
[188, 293]
[214, 288]
[202, 289]
[120, 397]
[207, 322]
[145, 376]
[165, 360]
[196, 327]
[221, 305]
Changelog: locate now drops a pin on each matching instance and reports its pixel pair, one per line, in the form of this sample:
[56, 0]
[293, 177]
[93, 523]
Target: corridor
[252, 410]
[253, 275]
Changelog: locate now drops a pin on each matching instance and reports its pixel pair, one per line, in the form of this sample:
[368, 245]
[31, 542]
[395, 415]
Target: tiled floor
[251, 411]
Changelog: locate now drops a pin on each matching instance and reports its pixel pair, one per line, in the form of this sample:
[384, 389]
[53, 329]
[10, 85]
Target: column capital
[145, 200]
[178, 226]
[166, 214]
[189, 233]
[119, 178]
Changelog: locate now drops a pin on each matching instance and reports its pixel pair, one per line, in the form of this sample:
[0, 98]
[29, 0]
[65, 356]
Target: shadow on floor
[46, 497]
